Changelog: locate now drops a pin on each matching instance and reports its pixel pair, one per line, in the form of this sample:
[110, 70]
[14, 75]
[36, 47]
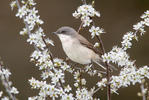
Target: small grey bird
[78, 48]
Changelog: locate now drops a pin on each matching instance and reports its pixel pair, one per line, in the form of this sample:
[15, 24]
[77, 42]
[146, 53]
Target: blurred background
[117, 18]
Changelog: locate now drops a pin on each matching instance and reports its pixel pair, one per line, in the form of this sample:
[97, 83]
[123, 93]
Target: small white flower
[32, 38]
[5, 98]
[14, 90]
[67, 88]
[86, 21]
[33, 11]
[68, 97]
[96, 31]
[86, 12]
[126, 43]
[6, 72]
[138, 26]
[36, 54]
[48, 41]
[45, 75]
[96, 45]
[146, 21]
[145, 15]
[22, 11]
[83, 81]
[13, 4]
[30, 20]
[24, 32]
[32, 98]
[76, 15]
[1, 93]
[31, 2]
[76, 84]
[38, 20]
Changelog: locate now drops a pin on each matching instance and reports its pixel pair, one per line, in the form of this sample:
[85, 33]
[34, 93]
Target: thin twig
[36, 48]
[80, 27]
[142, 90]
[6, 84]
[108, 69]
[96, 91]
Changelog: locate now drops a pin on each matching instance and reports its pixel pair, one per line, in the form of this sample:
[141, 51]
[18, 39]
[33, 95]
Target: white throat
[64, 38]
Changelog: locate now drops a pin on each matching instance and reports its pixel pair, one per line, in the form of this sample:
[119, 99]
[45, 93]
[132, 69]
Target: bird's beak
[54, 32]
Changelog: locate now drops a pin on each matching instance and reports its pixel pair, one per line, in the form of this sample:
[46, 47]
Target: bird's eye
[63, 31]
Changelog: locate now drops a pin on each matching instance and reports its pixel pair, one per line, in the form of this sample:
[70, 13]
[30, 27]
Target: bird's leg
[93, 68]
[67, 60]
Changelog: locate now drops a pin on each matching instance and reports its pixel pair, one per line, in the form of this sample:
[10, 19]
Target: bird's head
[65, 31]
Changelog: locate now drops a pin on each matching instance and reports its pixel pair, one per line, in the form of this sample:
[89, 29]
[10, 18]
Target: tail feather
[102, 64]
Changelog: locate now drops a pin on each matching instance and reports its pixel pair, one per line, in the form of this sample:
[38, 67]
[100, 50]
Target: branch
[6, 84]
[143, 90]
[80, 27]
[108, 69]
[36, 48]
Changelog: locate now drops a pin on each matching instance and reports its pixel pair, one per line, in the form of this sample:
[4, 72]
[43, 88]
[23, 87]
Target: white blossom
[86, 12]
[139, 25]
[83, 94]
[49, 41]
[83, 81]
[96, 45]
[31, 2]
[127, 38]
[6, 72]
[12, 4]
[22, 11]
[54, 68]
[118, 56]
[5, 98]
[14, 90]
[1, 93]
[67, 88]
[76, 14]
[24, 32]
[68, 97]
[96, 31]
[86, 21]
[146, 21]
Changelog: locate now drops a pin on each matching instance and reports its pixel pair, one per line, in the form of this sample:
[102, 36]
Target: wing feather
[87, 44]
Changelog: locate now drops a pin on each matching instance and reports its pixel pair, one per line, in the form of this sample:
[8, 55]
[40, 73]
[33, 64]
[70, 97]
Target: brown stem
[107, 71]
[5, 82]
[29, 32]
[142, 91]
[80, 27]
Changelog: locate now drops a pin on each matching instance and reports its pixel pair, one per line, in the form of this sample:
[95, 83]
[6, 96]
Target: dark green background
[117, 18]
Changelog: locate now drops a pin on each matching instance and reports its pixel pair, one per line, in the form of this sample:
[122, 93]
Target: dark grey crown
[66, 30]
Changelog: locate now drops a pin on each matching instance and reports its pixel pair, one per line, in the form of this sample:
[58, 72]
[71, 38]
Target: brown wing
[87, 44]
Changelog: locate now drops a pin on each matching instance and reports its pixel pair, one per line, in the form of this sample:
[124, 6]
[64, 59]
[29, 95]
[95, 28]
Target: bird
[78, 48]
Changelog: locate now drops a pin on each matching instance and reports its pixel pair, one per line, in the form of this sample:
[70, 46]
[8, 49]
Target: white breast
[75, 51]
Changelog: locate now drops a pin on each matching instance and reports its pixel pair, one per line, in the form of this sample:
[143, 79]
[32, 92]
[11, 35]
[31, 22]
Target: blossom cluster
[144, 90]
[86, 12]
[127, 77]
[96, 31]
[11, 90]
[145, 22]
[139, 27]
[118, 55]
[53, 69]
